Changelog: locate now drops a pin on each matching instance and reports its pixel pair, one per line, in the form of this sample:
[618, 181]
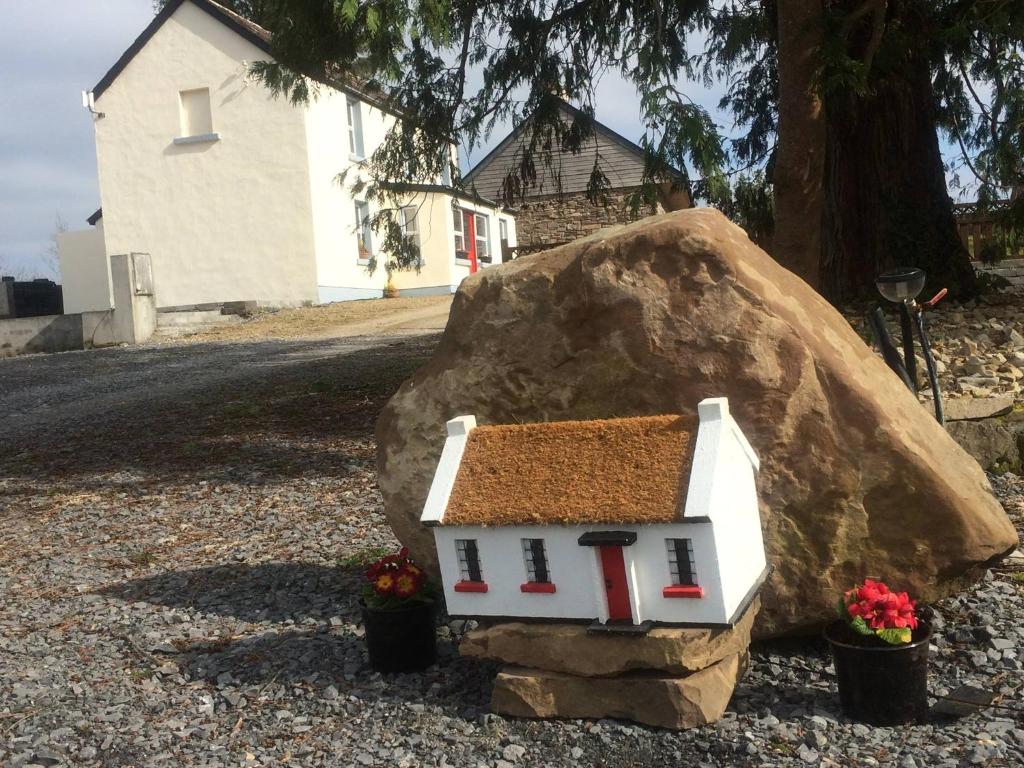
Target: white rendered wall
[227, 220]
[85, 271]
[576, 573]
[737, 521]
[339, 274]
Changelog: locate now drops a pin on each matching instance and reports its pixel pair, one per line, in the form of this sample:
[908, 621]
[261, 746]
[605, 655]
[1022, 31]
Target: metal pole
[907, 329]
[929, 362]
[889, 352]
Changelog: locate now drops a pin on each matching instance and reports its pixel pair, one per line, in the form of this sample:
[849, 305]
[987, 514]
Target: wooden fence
[978, 226]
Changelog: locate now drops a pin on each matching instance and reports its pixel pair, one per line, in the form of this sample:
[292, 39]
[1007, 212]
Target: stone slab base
[569, 648]
[665, 702]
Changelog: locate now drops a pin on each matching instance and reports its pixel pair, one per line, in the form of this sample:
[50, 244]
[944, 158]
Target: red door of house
[615, 584]
[469, 221]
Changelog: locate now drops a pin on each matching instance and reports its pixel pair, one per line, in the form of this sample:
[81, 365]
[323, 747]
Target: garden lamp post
[902, 287]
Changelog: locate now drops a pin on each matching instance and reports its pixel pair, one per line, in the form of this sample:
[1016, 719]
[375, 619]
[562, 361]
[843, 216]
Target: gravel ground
[182, 528]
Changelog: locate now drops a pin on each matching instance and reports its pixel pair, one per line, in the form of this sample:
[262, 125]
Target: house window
[446, 168]
[681, 570]
[460, 223]
[407, 220]
[471, 579]
[503, 231]
[355, 129]
[538, 578]
[364, 230]
[196, 113]
[483, 241]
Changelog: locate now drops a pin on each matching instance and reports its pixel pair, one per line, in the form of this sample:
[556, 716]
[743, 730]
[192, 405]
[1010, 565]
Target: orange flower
[406, 584]
[384, 585]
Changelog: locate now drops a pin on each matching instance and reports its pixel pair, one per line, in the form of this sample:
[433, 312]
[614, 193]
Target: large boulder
[572, 649]
[857, 479]
[665, 702]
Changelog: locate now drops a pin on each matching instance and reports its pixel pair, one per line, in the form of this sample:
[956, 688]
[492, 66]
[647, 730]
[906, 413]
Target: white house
[626, 522]
[235, 193]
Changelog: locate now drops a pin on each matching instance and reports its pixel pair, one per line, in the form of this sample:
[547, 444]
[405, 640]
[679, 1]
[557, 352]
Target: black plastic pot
[881, 685]
[400, 640]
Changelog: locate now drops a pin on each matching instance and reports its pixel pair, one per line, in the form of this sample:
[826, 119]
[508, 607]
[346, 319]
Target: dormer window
[470, 577]
[355, 129]
[538, 578]
[681, 570]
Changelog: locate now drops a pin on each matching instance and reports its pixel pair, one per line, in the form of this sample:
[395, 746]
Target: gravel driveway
[181, 533]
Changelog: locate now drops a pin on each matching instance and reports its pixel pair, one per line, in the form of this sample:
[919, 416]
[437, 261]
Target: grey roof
[621, 160]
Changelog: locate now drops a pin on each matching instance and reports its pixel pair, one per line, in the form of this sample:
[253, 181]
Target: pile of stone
[669, 677]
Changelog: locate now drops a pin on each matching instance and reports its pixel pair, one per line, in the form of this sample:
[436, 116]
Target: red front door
[469, 228]
[615, 585]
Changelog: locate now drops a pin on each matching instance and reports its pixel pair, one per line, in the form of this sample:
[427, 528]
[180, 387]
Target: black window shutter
[683, 562]
[540, 564]
[473, 560]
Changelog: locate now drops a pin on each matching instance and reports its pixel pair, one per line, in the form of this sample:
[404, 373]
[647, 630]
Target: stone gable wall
[562, 218]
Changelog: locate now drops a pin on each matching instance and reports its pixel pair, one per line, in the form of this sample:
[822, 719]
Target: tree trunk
[799, 169]
[887, 201]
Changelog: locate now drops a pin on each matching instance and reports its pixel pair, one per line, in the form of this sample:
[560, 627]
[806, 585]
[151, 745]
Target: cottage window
[460, 223]
[196, 114]
[681, 570]
[364, 231]
[355, 129]
[471, 579]
[446, 169]
[538, 577]
[483, 240]
[408, 221]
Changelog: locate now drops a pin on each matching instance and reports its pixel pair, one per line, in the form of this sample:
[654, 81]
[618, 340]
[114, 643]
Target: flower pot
[390, 292]
[881, 684]
[401, 640]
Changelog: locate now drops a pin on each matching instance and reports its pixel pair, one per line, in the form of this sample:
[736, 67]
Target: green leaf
[861, 627]
[372, 20]
[841, 609]
[895, 636]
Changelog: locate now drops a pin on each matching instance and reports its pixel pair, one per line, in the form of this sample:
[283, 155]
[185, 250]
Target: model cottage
[628, 522]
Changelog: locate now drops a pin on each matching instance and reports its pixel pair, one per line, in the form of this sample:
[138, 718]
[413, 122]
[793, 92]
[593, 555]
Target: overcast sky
[52, 50]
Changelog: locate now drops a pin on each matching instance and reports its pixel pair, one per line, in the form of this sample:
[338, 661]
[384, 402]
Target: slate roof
[631, 470]
[622, 161]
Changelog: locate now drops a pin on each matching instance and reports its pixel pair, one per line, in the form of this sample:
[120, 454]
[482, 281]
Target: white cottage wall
[737, 520]
[576, 573]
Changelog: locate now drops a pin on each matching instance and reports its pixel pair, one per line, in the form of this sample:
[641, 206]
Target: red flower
[879, 607]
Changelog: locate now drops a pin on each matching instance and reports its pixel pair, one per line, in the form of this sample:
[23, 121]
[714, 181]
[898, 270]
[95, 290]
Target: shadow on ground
[285, 411]
[273, 592]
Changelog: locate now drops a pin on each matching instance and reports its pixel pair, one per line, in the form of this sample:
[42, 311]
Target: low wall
[132, 323]
[49, 333]
[1010, 269]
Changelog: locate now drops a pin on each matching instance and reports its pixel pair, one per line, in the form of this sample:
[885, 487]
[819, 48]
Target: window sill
[463, 262]
[363, 262]
[679, 590]
[538, 587]
[471, 586]
[202, 138]
[356, 158]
